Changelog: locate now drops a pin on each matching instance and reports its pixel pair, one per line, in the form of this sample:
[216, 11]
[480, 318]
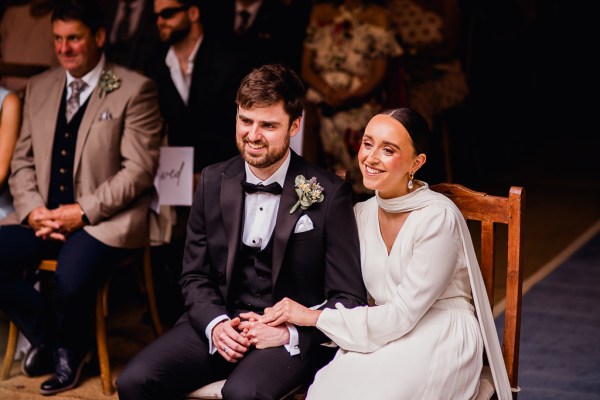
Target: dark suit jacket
[309, 267]
[144, 42]
[207, 123]
[276, 34]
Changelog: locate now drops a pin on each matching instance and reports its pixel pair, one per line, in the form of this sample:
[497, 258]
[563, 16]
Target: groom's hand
[228, 340]
[261, 335]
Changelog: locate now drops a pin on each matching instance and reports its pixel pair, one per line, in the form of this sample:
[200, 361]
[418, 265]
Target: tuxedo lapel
[284, 227]
[203, 74]
[166, 85]
[232, 211]
[232, 207]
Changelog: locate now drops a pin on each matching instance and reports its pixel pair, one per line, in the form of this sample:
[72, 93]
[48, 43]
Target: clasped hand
[288, 310]
[55, 224]
[233, 338]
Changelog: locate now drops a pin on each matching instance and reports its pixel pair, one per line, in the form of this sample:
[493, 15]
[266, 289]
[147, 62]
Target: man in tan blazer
[81, 178]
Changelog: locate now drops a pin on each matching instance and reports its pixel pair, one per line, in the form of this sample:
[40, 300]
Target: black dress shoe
[68, 366]
[38, 361]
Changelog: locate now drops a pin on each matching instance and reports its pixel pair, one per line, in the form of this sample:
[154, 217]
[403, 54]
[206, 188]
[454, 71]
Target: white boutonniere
[108, 82]
[309, 192]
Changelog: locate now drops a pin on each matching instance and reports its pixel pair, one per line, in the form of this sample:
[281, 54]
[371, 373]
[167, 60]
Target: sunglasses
[167, 13]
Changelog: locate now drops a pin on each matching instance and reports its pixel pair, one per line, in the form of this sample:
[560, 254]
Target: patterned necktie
[73, 102]
[244, 18]
[273, 188]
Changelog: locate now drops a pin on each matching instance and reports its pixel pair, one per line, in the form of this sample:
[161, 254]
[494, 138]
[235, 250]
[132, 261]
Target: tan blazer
[116, 155]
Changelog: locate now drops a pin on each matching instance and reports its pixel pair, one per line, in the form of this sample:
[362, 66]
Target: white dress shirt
[181, 80]
[91, 78]
[260, 208]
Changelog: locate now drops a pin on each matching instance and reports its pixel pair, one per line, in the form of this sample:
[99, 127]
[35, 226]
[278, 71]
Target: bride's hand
[287, 310]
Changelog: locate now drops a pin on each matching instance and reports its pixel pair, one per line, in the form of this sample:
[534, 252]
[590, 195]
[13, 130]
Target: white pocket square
[105, 116]
[304, 224]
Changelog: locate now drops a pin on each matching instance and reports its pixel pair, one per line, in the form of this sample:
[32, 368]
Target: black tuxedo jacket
[207, 122]
[276, 35]
[144, 42]
[311, 267]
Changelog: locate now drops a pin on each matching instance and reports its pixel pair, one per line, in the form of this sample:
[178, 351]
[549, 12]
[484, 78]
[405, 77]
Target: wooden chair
[101, 314]
[491, 211]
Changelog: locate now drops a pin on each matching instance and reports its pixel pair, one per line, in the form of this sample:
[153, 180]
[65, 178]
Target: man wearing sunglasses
[197, 80]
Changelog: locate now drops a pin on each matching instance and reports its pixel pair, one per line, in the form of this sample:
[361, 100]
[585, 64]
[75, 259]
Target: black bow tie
[273, 188]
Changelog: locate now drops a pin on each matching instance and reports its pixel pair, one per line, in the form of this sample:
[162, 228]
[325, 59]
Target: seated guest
[423, 338]
[131, 35]
[197, 78]
[265, 31]
[81, 178]
[10, 123]
[249, 243]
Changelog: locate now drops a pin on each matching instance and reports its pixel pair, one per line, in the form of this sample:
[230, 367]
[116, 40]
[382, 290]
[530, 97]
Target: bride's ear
[419, 161]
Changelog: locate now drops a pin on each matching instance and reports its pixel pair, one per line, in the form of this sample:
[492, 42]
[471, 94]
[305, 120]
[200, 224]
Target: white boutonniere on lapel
[309, 192]
[108, 82]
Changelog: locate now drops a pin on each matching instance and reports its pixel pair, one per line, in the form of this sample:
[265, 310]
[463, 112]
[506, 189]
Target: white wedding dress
[422, 339]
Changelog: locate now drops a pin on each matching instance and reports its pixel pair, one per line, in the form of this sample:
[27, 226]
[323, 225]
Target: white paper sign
[174, 179]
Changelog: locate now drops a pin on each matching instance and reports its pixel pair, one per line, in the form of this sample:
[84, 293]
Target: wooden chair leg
[101, 342]
[11, 348]
[149, 283]
[101, 314]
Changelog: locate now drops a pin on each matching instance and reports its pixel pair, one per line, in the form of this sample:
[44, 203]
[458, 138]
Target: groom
[245, 250]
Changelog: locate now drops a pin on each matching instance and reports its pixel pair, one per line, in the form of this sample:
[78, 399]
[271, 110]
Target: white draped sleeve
[433, 251]
[430, 252]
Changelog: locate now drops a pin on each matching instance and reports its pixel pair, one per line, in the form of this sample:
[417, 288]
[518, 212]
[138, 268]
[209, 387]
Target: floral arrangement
[108, 82]
[345, 47]
[309, 192]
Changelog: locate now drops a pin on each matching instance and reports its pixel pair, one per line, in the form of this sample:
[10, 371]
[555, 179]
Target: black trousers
[82, 264]
[178, 362]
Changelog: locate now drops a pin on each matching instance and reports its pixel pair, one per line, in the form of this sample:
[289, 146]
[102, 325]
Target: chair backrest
[491, 211]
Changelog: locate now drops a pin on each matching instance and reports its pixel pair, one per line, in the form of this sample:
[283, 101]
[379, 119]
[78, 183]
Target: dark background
[533, 95]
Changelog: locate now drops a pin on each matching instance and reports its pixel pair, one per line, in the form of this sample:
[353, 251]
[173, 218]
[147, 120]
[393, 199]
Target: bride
[423, 338]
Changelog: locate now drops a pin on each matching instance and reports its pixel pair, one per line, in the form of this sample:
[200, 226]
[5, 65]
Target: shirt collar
[171, 58]
[192, 56]
[252, 8]
[92, 77]
[278, 176]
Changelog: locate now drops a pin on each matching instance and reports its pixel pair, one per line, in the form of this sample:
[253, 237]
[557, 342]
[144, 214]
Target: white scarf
[423, 197]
